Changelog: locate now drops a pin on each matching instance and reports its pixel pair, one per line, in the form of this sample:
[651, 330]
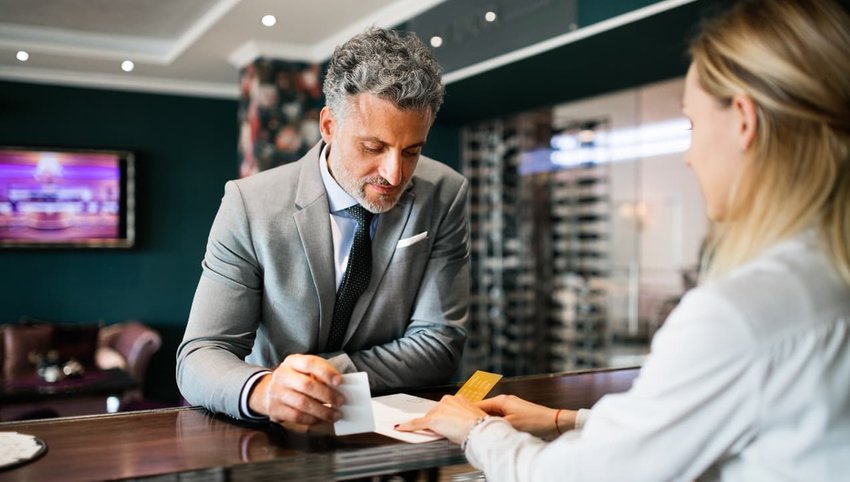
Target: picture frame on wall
[66, 198]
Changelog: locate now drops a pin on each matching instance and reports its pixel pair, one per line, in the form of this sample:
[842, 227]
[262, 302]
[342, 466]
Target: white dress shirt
[342, 230]
[343, 226]
[748, 380]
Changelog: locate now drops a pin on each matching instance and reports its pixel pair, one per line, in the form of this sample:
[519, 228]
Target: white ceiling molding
[252, 50]
[244, 55]
[83, 44]
[562, 40]
[111, 47]
[200, 27]
[388, 16]
[198, 53]
[120, 82]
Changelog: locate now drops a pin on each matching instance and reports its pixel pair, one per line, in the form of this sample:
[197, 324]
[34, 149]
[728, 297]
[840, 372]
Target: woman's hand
[529, 417]
[452, 418]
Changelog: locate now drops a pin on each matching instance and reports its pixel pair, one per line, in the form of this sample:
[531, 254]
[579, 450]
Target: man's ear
[327, 124]
[745, 110]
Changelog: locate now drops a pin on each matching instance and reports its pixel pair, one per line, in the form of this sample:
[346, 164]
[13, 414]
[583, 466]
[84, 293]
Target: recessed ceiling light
[436, 41]
[269, 20]
[22, 56]
[127, 66]
[490, 16]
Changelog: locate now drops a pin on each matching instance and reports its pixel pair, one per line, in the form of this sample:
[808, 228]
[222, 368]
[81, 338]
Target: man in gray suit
[300, 283]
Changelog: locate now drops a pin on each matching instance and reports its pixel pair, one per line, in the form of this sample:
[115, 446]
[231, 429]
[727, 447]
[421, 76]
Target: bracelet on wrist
[476, 423]
[558, 414]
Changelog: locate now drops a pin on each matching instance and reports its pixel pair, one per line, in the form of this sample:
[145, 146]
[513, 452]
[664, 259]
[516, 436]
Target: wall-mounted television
[53, 197]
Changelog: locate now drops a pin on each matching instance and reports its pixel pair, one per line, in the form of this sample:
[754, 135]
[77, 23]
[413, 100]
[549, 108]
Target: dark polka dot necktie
[356, 277]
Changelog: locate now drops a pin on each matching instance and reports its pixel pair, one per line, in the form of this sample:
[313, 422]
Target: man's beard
[356, 188]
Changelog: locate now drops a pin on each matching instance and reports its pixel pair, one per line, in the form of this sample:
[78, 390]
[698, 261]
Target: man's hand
[297, 391]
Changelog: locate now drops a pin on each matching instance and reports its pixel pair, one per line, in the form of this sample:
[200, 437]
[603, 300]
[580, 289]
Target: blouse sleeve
[694, 400]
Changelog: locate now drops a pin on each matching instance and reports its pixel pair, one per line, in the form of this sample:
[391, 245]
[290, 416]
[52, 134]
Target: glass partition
[585, 230]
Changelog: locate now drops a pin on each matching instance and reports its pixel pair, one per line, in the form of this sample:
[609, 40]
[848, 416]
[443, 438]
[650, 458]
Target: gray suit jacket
[268, 285]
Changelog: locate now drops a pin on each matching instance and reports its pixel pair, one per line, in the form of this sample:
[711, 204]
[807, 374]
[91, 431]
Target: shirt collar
[338, 199]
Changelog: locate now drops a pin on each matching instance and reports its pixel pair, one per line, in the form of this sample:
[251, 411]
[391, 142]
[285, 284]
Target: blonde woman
[749, 378]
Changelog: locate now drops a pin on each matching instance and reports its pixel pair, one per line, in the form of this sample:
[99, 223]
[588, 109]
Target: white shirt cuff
[581, 417]
[244, 410]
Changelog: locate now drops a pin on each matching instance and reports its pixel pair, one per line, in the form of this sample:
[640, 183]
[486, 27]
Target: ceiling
[193, 47]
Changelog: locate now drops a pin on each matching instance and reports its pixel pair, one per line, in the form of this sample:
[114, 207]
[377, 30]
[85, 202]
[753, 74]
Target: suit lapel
[390, 227]
[313, 223]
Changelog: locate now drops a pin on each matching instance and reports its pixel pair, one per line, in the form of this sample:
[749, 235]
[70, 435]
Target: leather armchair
[128, 345]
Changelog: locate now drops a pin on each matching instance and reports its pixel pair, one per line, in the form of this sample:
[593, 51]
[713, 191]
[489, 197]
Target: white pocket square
[403, 243]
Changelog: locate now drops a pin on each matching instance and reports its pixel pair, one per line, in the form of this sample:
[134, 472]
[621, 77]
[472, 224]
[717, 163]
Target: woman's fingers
[414, 425]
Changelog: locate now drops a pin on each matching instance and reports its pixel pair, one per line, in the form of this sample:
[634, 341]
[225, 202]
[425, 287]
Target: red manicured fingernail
[396, 425]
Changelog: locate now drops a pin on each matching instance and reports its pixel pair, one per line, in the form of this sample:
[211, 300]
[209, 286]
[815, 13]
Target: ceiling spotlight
[127, 66]
[436, 41]
[269, 20]
[490, 16]
[22, 56]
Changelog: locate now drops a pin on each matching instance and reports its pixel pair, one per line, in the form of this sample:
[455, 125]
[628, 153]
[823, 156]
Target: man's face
[374, 148]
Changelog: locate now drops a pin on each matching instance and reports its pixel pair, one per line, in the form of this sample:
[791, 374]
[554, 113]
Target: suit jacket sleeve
[225, 313]
[430, 350]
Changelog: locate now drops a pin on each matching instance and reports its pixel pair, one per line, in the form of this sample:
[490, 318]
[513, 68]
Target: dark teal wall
[444, 144]
[593, 11]
[185, 151]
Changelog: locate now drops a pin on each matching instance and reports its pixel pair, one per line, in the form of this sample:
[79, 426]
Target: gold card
[478, 386]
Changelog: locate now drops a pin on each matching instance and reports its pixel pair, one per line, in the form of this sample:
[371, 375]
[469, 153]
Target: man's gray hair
[382, 62]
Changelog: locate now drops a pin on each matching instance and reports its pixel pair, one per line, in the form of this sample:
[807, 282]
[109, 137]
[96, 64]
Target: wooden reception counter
[192, 444]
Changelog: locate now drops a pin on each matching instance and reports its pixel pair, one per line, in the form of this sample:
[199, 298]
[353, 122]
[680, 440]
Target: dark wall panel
[444, 144]
[185, 151]
[645, 51]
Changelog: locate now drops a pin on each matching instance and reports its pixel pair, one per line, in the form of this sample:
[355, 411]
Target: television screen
[66, 198]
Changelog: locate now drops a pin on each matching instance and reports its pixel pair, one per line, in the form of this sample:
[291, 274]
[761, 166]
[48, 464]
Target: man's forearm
[425, 356]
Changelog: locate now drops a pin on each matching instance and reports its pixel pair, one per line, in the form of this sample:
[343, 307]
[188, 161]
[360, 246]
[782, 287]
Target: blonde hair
[791, 57]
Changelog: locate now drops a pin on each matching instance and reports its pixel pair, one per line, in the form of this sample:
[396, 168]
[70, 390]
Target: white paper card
[394, 409]
[357, 409]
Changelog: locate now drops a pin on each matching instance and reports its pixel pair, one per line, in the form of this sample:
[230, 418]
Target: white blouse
[748, 380]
